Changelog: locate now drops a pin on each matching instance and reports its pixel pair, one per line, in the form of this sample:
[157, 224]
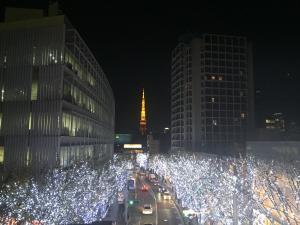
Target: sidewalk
[115, 213]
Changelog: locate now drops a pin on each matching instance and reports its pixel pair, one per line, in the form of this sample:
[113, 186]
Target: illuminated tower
[143, 122]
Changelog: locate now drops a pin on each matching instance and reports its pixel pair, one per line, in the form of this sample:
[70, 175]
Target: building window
[34, 85]
[243, 115]
[29, 123]
[28, 157]
[0, 121]
[73, 153]
[2, 93]
[212, 99]
[33, 55]
[1, 154]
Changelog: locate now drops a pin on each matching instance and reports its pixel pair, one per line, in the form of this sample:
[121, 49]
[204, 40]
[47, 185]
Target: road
[164, 211]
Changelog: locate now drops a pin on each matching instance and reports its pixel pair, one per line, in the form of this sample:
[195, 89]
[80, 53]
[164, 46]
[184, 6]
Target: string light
[224, 189]
[79, 194]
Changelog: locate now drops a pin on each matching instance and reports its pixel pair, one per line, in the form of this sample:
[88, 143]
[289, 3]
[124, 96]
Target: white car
[161, 189]
[147, 209]
[166, 195]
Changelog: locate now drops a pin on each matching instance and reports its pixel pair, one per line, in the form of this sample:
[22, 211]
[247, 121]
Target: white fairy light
[79, 194]
[224, 189]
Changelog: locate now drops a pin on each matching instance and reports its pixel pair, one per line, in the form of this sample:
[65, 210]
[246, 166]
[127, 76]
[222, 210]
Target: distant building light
[213, 77]
[242, 115]
[2, 94]
[167, 128]
[215, 122]
[133, 146]
[117, 136]
[220, 78]
[212, 99]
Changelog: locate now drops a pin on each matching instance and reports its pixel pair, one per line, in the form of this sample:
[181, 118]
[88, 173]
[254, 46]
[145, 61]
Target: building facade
[275, 122]
[211, 93]
[153, 144]
[56, 103]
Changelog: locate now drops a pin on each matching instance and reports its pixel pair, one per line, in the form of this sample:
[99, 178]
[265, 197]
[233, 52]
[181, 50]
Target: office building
[153, 143]
[211, 93]
[56, 104]
[159, 142]
[120, 140]
[275, 122]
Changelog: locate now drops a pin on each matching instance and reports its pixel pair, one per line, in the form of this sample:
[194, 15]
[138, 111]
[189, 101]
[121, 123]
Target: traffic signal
[132, 202]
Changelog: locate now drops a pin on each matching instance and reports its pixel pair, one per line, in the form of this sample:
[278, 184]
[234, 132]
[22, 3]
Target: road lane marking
[153, 194]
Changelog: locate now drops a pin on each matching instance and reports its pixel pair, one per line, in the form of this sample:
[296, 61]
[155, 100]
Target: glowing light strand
[224, 189]
[76, 195]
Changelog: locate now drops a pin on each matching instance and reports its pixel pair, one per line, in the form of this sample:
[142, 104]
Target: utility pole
[235, 210]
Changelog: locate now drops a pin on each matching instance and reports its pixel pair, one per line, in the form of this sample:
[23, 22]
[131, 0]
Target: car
[144, 188]
[161, 189]
[156, 183]
[166, 195]
[147, 209]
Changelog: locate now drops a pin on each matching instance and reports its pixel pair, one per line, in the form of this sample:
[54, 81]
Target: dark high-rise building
[56, 103]
[275, 122]
[211, 93]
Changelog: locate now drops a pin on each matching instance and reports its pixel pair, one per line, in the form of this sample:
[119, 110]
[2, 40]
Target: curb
[180, 212]
[176, 204]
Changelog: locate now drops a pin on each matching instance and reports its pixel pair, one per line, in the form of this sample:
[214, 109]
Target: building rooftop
[34, 23]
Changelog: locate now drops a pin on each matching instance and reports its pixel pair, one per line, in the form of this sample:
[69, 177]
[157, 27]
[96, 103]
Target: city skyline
[135, 53]
[144, 114]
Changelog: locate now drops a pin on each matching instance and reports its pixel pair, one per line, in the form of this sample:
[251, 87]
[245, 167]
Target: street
[164, 211]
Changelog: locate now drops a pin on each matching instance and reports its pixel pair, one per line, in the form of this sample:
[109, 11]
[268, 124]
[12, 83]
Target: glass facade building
[211, 93]
[56, 104]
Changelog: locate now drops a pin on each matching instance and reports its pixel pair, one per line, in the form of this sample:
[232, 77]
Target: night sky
[133, 44]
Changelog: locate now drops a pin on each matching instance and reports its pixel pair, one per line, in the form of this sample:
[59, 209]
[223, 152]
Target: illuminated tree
[228, 190]
[276, 191]
[79, 194]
